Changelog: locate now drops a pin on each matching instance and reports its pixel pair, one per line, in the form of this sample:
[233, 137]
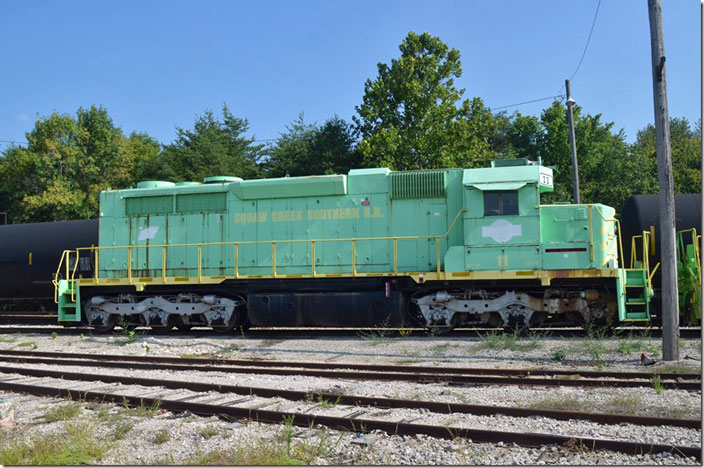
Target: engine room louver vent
[417, 184]
[201, 202]
[145, 206]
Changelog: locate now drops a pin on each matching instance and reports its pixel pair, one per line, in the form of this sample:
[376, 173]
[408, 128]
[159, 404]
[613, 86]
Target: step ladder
[68, 300]
[635, 296]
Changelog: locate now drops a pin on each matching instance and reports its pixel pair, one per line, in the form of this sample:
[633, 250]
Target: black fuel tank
[30, 254]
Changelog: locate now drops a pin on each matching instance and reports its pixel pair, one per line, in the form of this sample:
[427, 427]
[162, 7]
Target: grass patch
[142, 411]
[122, 429]
[382, 334]
[209, 431]
[283, 450]
[440, 349]
[559, 355]
[597, 350]
[677, 369]
[626, 346]
[230, 348]
[377, 336]
[62, 412]
[508, 341]
[27, 344]
[75, 445]
[162, 437]
[624, 405]
[408, 361]
[657, 384]
[558, 403]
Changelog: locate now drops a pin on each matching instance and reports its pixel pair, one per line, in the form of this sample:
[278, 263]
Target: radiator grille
[201, 202]
[418, 184]
[154, 205]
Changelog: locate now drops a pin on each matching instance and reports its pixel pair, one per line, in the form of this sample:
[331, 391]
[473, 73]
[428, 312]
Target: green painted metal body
[365, 203]
[417, 208]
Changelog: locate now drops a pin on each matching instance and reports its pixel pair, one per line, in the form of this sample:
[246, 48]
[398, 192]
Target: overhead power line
[528, 102]
[586, 46]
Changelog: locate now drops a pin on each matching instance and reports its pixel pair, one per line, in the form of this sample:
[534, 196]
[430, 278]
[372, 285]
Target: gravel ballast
[166, 438]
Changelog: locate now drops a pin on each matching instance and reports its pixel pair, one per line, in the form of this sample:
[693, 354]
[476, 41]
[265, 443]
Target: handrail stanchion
[273, 258]
[395, 255]
[312, 256]
[163, 264]
[354, 257]
[97, 264]
[437, 255]
[129, 264]
[237, 273]
[591, 236]
[200, 261]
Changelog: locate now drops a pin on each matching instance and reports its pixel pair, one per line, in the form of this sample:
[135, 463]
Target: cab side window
[500, 202]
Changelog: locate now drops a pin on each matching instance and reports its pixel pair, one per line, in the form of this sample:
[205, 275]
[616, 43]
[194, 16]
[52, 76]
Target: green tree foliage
[412, 115]
[67, 162]
[333, 148]
[212, 147]
[608, 172]
[685, 145]
[140, 161]
[306, 149]
[290, 153]
[61, 171]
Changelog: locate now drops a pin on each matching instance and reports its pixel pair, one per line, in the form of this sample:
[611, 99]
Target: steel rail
[359, 425]
[515, 372]
[49, 326]
[359, 375]
[295, 395]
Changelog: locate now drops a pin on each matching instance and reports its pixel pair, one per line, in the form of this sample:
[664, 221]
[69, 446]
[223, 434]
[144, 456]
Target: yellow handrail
[67, 254]
[55, 281]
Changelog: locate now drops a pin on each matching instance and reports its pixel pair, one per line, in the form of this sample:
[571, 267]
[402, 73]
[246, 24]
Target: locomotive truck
[439, 248]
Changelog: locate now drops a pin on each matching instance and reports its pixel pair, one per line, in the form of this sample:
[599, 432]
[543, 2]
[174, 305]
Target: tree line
[412, 116]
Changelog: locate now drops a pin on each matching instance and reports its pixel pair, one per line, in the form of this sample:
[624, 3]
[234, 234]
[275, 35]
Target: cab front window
[500, 202]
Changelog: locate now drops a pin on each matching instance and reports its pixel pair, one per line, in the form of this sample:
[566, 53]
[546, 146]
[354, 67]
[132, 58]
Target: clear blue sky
[157, 64]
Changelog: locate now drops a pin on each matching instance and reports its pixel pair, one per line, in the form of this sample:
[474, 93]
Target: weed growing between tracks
[62, 412]
[283, 449]
[76, 444]
[626, 405]
[511, 341]
[162, 436]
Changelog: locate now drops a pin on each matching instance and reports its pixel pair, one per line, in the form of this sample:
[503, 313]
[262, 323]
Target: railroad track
[46, 325]
[420, 374]
[248, 405]
[329, 398]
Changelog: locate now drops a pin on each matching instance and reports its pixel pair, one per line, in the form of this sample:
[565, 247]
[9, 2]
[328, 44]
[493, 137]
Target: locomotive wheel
[233, 323]
[171, 322]
[106, 328]
[181, 326]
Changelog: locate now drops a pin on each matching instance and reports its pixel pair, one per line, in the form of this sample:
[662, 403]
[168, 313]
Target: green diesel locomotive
[435, 248]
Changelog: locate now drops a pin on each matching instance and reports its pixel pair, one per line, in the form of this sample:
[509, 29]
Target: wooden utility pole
[573, 143]
[668, 264]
